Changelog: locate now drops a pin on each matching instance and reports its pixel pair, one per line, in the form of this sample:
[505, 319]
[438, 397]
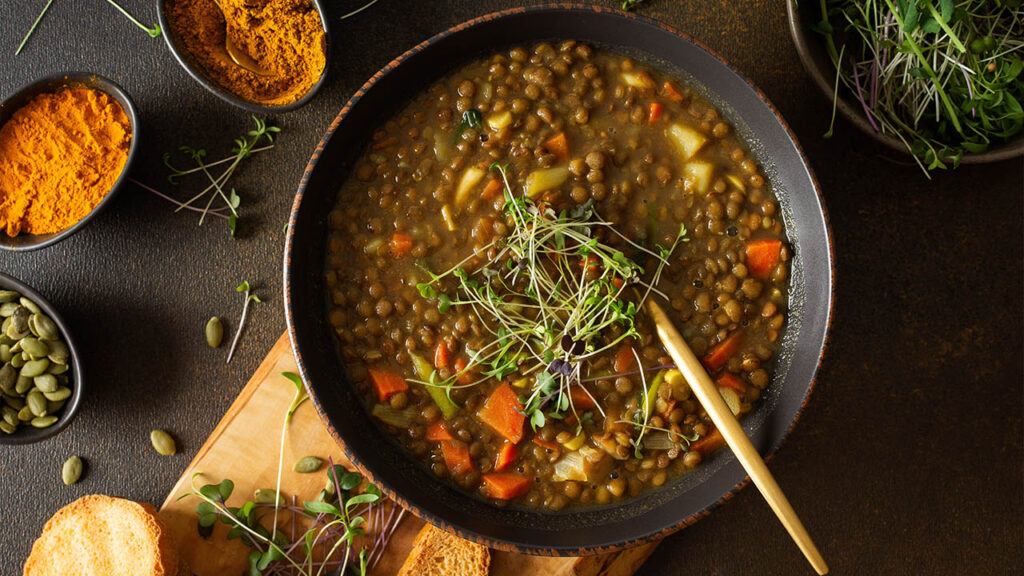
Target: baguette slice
[438, 553]
[104, 536]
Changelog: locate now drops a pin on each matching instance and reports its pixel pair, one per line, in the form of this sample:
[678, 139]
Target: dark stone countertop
[908, 459]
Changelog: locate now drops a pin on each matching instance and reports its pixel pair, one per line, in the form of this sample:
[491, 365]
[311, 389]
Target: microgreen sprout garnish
[153, 31]
[358, 10]
[244, 147]
[554, 295]
[942, 76]
[470, 119]
[628, 5]
[32, 29]
[249, 297]
[323, 536]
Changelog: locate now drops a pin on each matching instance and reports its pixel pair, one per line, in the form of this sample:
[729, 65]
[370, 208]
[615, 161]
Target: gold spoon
[707, 393]
[239, 56]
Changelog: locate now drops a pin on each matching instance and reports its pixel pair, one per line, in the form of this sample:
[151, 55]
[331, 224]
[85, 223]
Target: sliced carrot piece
[729, 380]
[654, 111]
[503, 412]
[456, 456]
[401, 244]
[387, 383]
[506, 456]
[441, 355]
[669, 91]
[624, 358]
[492, 189]
[504, 486]
[763, 256]
[438, 432]
[722, 351]
[708, 444]
[581, 401]
[460, 365]
[558, 145]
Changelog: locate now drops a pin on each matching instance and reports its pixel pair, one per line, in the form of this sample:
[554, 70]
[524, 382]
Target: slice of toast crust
[438, 553]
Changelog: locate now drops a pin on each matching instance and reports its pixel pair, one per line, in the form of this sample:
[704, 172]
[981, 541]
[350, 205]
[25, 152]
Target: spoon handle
[707, 393]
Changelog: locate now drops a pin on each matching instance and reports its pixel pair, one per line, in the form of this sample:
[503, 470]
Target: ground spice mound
[285, 37]
[60, 155]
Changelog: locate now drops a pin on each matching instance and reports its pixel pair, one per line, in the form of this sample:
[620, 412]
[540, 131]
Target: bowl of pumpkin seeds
[40, 376]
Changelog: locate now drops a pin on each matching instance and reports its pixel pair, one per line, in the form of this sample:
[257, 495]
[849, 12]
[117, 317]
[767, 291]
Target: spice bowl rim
[28, 435]
[186, 61]
[822, 72]
[53, 83]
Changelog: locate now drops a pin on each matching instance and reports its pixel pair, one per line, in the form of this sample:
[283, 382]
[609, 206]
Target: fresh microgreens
[32, 29]
[554, 295]
[332, 523]
[942, 76]
[470, 119]
[153, 31]
[628, 5]
[358, 10]
[249, 297]
[244, 147]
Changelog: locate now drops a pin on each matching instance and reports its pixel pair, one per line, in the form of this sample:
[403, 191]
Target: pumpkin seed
[307, 464]
[7, 309]
[13, 332]
[18, 361]
[19, 320]
[46, 383]
[34, 368]
[7, 428]
[43, 421]
[45, 328]
[163, 443]
[30, 305]
[10, 415]
[25, 414]
[266, 496]
[23, 385]
[58, 352]
[71, 472]
[36, 402]
[214, 332]
[8, 296]
[34, 347]
[5, 353]
[58, 394]
[8, 377]
[16, 402]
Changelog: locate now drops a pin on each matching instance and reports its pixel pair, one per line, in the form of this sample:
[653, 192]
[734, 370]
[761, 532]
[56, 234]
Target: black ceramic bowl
[586, 531]
[188, 62]
[53, 84]
[811, 47]
[28, 434]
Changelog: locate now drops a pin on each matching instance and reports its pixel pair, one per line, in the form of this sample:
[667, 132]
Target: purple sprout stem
[860, 97]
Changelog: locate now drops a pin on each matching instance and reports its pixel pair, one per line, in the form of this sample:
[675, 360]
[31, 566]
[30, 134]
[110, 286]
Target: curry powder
[60, 155]
[285, 37]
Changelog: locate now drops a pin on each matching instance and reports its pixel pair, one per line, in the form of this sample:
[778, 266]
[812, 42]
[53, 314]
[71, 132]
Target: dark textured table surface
[908, 459]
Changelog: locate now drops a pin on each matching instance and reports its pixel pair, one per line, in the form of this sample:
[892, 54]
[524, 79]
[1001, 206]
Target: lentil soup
[487, 259]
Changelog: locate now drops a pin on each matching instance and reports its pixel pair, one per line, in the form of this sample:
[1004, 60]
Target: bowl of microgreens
[940, 80]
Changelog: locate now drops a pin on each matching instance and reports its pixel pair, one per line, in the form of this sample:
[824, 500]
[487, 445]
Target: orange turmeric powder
[60, 155]
[284, 37]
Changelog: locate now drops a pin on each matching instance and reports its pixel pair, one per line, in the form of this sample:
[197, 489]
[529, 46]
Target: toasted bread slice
[438, 553]
[104, 536]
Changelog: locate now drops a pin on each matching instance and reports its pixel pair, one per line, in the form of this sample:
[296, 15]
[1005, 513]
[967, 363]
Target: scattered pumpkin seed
[36, 402]
[10, 415]
[30, 305]
[45, 328]
[18, 361]
[16, 402]
[5, 353]
[23, 385]
[7, 309]
[163, 443]
[52, 406]
[307, 464]
[46, 383]
[25, 414]
[266, 496]
[43, 421]
[214, 332]
[8, 296]
[58, 395]
[7, 428]
[71, 472]
[34, 368]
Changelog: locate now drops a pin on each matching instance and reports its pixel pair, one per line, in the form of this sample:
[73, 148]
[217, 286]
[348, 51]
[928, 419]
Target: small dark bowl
[24, 242]
[658, 512]
[195, 70]
[811, 48]
[28, 434]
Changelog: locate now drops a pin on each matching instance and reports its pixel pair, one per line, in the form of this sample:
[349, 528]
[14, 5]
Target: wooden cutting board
[244, 447]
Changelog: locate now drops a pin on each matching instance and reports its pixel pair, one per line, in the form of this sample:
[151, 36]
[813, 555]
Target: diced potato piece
[500, 120]
[575, 443]
[570, 467]
[442, 146]
[732, 399]
[686, 139]
[446, 214]
[547, 179]
[736, 182]
[639, 80]
[470, 177]
[700, 173]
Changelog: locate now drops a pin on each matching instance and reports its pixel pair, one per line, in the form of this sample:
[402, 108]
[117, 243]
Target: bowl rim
[70, 408]
[498, 542]
[63, 80]
[185, 60]
[805, 49]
